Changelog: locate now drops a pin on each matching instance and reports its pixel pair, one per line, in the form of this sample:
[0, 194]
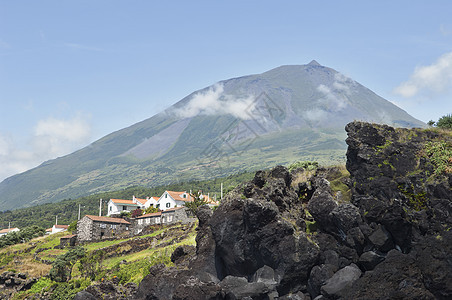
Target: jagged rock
[109, 291]
[369, 260]
[381, 239]
[84, 295]
[240, 288]
[397, 277]
[181, 252]
[343, 278]
[320, 206]
[345, 217]
[194, 289]
[318, 277]
[265, 275]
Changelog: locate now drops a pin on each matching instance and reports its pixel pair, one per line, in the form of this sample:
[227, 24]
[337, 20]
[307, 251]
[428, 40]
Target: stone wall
[85, 229]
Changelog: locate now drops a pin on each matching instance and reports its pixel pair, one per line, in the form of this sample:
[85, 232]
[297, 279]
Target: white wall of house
[117, 208]
[151, 202]
[166, 202]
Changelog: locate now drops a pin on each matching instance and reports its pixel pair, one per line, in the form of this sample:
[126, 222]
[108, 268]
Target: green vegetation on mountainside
[62, 273]
[67, 210]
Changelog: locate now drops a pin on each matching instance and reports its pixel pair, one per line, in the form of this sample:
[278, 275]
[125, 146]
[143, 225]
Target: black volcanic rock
[382, 245]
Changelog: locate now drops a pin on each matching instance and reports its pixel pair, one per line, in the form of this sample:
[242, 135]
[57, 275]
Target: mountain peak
[313, 63]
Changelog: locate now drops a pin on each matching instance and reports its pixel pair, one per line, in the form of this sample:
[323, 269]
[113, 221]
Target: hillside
[24, 268]
[43, 215]
[287, 114]
[365, 232]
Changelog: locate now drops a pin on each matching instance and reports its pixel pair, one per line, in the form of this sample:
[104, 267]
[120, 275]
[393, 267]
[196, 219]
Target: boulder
[369, 260]
[342, 279]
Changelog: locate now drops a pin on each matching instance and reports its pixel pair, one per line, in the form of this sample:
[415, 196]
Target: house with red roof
[96, 228]
[116, 206]
[8, 230]
[171, 199]
[57, 228]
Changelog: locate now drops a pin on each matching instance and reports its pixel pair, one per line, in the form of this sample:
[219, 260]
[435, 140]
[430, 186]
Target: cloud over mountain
[436, 78]
[214, 101]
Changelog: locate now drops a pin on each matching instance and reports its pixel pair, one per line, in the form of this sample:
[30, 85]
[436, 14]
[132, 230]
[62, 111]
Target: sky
[72, 72]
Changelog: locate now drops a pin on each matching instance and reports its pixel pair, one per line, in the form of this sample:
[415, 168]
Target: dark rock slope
[301, 235]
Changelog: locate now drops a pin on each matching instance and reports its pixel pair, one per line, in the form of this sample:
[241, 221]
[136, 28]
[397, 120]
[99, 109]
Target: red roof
[125, 202]
[107, 219]
[8, 230]
[68, 236]
[142, 201]
[176, 196]
[62, 226]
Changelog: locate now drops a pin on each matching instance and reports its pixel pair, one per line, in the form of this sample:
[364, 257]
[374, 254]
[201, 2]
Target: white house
[151, 201]
[8, 230]
[116, 206]
[57, 228]
[170, 199]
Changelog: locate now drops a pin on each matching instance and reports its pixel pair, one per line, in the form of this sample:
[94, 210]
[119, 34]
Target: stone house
[68, 240]
[96, 228]
[169, 216]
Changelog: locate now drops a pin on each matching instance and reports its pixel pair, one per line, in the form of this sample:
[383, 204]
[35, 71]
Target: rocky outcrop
[294, 235]
[11, 282]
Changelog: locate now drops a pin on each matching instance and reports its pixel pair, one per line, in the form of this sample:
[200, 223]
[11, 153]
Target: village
[128, 217]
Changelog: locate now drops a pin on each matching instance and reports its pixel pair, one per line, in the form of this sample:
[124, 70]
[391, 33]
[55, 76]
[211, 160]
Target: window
[166, 195]
[148, 221]
[103, 225]
[127, 227]
[140, 221]
[124, 207]
[110, 208]
[168, 205]
[113, 226]
[158, 205]
[157, 220]
[169, 219]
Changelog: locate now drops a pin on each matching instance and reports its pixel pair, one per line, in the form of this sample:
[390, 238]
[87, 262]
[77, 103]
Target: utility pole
[56, 220]
[100, 207]
[79, 205]
[221, 194]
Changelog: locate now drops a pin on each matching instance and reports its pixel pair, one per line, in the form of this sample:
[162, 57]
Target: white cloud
[215, 102]
[51, 138]
[333, 98]
[436, 78]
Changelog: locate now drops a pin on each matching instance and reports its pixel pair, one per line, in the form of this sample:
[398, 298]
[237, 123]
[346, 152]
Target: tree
[196, 203]
[445, 122]
[62, 266]
[151, 210]
[136, 213]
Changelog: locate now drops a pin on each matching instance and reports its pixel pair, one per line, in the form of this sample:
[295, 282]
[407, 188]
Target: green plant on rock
[417, 201]
[307, 165]
[440, 154]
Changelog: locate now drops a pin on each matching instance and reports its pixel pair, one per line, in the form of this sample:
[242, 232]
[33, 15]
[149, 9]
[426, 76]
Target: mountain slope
[287, 114]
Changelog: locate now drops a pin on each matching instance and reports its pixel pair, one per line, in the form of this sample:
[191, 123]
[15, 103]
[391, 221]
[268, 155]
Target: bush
[445, 122]
[307, 165]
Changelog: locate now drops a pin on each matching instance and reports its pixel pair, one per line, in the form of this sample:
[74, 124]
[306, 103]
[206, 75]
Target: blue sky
[74, 71]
